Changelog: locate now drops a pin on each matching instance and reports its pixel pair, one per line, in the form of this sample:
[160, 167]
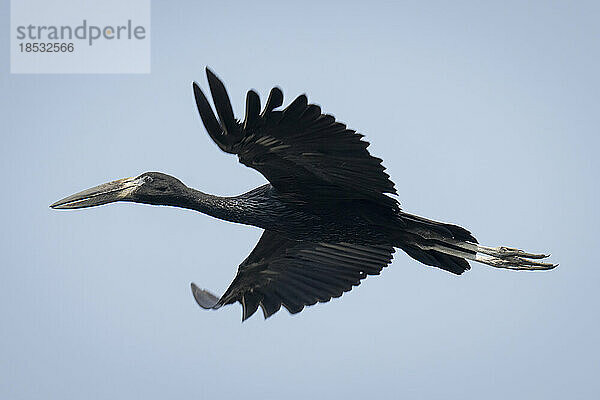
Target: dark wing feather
[302, 152]
[294, 274]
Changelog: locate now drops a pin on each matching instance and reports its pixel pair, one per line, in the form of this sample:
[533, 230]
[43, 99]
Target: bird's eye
[148, 179]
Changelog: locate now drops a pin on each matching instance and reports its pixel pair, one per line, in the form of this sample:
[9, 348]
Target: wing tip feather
[204, 298]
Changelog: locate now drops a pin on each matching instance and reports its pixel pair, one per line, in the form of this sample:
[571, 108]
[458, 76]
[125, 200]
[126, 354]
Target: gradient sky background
[486, 116]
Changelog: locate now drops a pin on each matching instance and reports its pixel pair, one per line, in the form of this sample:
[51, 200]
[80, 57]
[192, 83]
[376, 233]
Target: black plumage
[327, 214]
[297, 273]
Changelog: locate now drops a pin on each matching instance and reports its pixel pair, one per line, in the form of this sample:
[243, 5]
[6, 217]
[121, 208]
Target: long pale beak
[101, 194]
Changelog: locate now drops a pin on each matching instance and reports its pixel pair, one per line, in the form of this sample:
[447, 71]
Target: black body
[328, 218]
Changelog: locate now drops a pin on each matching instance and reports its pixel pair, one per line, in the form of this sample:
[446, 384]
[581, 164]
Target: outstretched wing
[301, 151]
[296, 274]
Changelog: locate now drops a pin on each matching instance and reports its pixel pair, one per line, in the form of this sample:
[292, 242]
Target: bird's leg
[509, 258]
[517, 262]
[508, 252]
[501, 257]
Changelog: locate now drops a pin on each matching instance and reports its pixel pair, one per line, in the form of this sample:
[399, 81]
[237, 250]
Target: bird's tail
[448, 247]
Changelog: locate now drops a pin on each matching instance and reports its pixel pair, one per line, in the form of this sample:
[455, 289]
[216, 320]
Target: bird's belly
[352, 221]
[322, 228]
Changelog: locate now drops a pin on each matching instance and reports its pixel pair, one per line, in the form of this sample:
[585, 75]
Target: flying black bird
[326, 212]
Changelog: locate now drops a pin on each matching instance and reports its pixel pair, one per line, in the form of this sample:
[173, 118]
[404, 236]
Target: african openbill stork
[327, 217]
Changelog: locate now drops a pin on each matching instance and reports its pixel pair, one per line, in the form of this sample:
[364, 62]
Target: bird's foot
[510, 258]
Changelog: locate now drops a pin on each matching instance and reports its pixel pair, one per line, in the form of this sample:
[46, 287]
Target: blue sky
[486, 115]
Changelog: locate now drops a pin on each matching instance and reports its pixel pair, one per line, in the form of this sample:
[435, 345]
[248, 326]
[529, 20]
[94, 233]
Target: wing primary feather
[289, 298]
[311, 113]
[207, 115]
[204, 298]
[296, 108]
[275, 100]
[270, 304]
[250, 302]
[222, 103]
[252, 109]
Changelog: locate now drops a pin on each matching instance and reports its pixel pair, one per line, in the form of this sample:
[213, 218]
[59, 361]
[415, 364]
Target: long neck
[234, 209]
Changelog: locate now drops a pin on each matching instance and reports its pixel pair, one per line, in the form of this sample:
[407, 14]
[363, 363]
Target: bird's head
[150, 188]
